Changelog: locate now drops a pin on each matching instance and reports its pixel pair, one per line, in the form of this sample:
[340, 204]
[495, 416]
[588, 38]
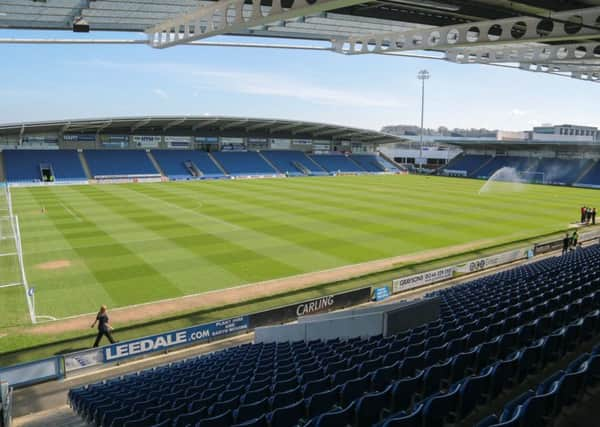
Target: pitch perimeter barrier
[349, 326]
[554, 245]
[542, 248]
[359, 311]
[33, 372]
[421, 279]
[386, 319]
[180, 338]
[151, 344]
[491, 261]
[411, 315]
[318, 305]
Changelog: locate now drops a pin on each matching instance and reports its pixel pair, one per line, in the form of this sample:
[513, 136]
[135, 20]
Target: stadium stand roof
[209, 125]
[549, 36]
[490, 144]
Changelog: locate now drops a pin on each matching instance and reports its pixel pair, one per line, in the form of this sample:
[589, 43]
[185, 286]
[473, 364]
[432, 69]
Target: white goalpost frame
[14, 222]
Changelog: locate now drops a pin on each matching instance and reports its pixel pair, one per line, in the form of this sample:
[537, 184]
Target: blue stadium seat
[337, 418]
[474, 391]
[403, 391]
[256, 395]
[292, 162]
[384, 376]
[190, 417]
[223, 420]
[287, 416]
[336, 163]
[441, 407]
[173, 164]
[413, 419]
[255, 422]
[285, 398]
[340, 377]
[321, 402]
[24, 165]
[434, 376]
[246, 163]
[369, 407]
[251, 411]
[353, 389]
[369, 162]
[119, 163]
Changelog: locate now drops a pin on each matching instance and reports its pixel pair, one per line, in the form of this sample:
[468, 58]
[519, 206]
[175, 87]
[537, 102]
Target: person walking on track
[566, 243]
[104, 327]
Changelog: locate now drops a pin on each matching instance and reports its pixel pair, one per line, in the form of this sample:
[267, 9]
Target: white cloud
[258, 83]
[160, 93]
[519, 113]
[267, 84]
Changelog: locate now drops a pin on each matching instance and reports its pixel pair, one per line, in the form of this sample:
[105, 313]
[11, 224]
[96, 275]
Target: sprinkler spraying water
[504, 179]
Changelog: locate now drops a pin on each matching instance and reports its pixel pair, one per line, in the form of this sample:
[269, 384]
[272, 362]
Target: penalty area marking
[70, 212]
[10, 285]
[51, 318]
[9, 254]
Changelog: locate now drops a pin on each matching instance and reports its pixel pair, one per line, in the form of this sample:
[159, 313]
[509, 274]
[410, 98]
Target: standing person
[589, 216]
[104, 327]
[583, 210]
[574, 239]
[594, 216]
[566, 243]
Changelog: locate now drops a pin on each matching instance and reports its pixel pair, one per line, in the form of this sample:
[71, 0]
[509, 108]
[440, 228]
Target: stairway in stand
[2, 175]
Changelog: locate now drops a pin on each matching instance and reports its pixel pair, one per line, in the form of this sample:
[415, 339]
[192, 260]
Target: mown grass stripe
[125, 277]
[325, 242]
[249, 265]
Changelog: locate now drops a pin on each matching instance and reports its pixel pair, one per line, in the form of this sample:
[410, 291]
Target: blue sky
[44, 82]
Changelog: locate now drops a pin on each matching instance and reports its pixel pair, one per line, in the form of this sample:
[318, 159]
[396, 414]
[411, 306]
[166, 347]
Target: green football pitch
[132, 243]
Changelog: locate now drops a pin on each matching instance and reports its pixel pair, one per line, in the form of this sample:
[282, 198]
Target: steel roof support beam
[331, 132]
[140, 124]
[203, 123]
[308, 129]
[581, 72]
[535, 53]
[103, 126]
[286, 127]
[226, 16]
[259, 126]
[173, 123]
[569, 25]
[66, 127]
[233, 124]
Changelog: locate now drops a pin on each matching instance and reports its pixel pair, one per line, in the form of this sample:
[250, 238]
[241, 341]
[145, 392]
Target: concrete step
[268, 162]
[84, 164]
[219, 165]
[62, 416]
[2, 175]
[155, 163]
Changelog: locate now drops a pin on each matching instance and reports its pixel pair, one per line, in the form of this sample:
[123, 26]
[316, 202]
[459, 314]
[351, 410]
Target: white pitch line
[10, 285]
[9, 254]
[39, 316]
[70, 212]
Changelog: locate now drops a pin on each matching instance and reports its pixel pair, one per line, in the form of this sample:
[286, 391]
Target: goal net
[10, 274]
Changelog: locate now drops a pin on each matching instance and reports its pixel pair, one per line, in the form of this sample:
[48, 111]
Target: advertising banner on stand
[491, 261]
[405, 283]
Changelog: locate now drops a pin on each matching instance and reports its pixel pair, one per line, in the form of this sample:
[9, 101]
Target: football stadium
[262, 271]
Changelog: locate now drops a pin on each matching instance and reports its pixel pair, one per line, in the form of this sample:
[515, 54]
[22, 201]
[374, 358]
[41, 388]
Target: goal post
[11, 261]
